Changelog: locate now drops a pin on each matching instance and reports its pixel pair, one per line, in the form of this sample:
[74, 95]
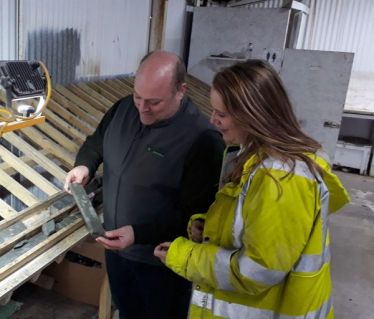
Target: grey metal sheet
[317, 82]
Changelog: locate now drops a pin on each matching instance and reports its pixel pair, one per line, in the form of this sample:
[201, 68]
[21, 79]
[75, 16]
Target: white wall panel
[175, 24]
[8, 30]
[84, 38]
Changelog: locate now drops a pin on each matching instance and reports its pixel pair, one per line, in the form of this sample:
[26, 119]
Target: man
[162, 162]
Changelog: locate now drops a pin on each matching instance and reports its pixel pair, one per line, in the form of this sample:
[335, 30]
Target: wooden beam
[158, 24]
[103, 100]
[28, 172]
[60, 138]
[36, 156]
[5, 167]
[109, 89]
[74, 109]
[65, 126]
[43, 141]
[36, 208]
[103, 92]
[6, 210]
[89, 99]
[79, 102]
[105, 299]
[40, 248]
[33, 230]
[69, 117]
[118, 87]
[17, 189]
[16, 279]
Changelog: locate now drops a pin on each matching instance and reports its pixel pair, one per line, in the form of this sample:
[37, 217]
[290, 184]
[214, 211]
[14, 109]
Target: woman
[265, 250]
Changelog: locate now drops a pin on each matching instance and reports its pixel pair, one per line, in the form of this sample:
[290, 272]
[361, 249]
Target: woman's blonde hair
[255, 97]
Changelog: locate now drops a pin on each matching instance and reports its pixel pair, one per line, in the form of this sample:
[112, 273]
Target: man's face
[154, 97]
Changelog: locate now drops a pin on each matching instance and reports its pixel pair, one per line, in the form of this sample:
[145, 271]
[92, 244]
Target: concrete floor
[352, 247]
[352, 250]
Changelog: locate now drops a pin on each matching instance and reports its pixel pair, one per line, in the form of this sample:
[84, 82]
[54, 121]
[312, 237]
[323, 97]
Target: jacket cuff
[178, 254]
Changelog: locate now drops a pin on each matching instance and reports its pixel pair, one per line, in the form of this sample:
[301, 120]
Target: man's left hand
[118, 239]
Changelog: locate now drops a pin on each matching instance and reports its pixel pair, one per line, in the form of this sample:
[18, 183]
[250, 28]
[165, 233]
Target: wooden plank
[120, 87]
[5, 167]
[17, 189]
[37, 157]
[129, 87]
[28, 172]
[43, 141]
[60, 138]
[103, 92]
[65, 126]
[128, 81]
[36, 208]
[69, 117]
[109, 89]
[16, 279]
[86, 97]
[33, 230]
[97, 96]
[40, 248]
[74, 109]
[105, 299]
[6, 211]
[198, 82]
[79, 102]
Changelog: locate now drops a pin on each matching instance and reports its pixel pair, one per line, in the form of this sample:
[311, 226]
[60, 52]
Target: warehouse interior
[322, 51]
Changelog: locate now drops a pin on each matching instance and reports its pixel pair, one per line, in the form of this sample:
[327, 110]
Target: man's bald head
[167, 64]
[159, 86]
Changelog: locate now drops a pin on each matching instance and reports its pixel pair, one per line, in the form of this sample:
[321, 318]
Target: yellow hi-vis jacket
[264, 256]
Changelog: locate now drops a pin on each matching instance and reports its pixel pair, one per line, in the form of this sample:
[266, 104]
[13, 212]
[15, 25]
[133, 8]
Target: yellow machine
[24, 93]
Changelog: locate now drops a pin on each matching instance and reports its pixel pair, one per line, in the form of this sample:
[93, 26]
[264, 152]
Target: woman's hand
[161, 251]
[197, 228]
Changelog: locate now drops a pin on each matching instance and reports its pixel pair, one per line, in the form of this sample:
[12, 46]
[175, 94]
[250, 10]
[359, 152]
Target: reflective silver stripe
[202, 299]
[222, 269]
[236, 311]
[256, 272]
[325, 207]
[301, 168]
[238, 222]
[312, 263]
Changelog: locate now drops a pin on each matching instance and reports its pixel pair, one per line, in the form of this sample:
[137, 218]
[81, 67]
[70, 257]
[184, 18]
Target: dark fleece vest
[143, 167]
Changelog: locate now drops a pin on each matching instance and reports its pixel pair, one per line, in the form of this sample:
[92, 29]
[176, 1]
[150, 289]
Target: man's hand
[161, 251]
[197, 228]
[78, 175]
[118, 239]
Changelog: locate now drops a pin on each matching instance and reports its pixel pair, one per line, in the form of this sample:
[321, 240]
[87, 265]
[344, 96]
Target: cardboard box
[79, 282]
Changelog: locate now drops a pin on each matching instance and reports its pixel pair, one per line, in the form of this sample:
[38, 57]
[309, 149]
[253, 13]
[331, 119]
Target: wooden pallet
[73, 113]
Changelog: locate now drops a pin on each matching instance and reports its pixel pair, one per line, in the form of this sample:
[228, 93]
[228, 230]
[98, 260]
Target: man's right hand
[78, 175]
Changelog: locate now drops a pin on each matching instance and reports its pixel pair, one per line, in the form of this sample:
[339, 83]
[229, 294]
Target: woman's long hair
[255, 97]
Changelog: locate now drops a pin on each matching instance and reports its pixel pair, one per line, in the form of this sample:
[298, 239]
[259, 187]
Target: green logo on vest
[156, 151]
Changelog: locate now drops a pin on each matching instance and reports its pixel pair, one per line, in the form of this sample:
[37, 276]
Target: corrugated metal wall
[338, 25]
[343, 25]
[84, 39]
[8, 30]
